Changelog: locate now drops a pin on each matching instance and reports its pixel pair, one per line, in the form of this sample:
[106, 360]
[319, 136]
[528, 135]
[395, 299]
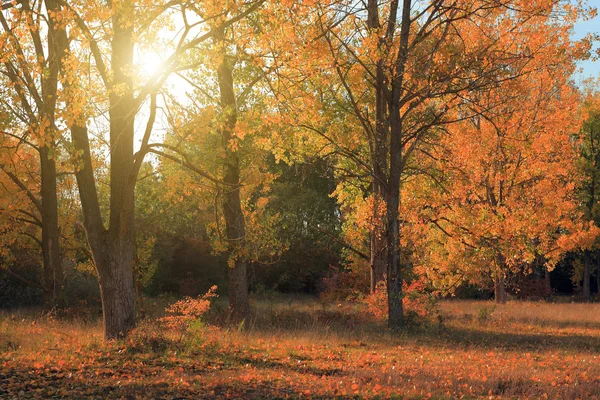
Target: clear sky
[589, 68]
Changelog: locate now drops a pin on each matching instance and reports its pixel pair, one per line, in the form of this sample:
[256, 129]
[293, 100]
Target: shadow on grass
[349, 324]
[471, 336]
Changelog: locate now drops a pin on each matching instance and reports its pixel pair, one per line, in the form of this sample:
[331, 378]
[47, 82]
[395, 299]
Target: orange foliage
[188, 310]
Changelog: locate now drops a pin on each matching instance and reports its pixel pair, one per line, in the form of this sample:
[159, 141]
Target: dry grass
[299, 347]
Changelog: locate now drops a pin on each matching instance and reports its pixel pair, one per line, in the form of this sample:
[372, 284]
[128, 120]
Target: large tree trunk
[232, 206]
[500, 289]
[587, 264]
[113, 248]
[113, 263]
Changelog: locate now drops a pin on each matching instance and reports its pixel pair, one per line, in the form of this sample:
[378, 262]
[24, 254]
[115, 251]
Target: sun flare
[147, 61]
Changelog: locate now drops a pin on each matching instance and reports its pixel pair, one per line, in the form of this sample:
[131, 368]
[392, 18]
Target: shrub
[417, 300]
[186, 314]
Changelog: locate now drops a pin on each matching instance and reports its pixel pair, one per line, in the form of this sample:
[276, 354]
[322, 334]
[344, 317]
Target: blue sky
[582, 28]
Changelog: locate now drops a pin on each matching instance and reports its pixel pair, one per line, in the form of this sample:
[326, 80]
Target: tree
[504, 198]
[30, 64]
[116, 86]
[400, 71]
[589, 165]
[226, 114]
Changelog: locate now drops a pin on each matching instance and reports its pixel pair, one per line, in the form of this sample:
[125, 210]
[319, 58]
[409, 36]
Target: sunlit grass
[300, 347]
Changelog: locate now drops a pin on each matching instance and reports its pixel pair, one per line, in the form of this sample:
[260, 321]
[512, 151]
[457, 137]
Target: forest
[298, 199]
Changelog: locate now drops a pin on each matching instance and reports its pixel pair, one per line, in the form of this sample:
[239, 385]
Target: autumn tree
[109, 34]
[217, 137]
[501, 196]
[30, 66]
[397, 73]
[589, 164]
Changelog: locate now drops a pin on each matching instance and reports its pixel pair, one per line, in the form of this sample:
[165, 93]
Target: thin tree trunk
[378, 146]
[378, 241]
[500, 280]
[232, 206]
[587, 263]
[53, 273]
[547, 282]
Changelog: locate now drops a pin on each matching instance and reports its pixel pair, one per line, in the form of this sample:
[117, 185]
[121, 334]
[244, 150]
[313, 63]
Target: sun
[147, 61]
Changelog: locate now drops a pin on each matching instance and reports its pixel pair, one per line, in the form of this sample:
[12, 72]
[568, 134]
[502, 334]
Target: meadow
[299, 347]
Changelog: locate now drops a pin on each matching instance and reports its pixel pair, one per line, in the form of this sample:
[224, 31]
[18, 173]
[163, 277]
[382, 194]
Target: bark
[547, 282]
[232, 206]
[378, 242]
[587, 263]
[378, 149]
[395, 276]
[113, 262]
[113, 248]
[500, 289]
[53, 273]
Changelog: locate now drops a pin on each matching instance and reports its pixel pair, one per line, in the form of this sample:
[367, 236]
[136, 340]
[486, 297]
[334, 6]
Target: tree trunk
[547, 282]
[378, 240]
[116, 288]
[587, 263]
[53, 274]
[113, 248]
[379, 157]
[232, 206]
[394, 281]
[500, 289]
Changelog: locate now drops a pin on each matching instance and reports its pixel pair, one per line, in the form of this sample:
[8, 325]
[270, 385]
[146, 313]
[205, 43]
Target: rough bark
[113, 248]
[53, 273]
[113, 262]
[378, 149]
[500, 290]
[396, 150]
[232, 206]
[52, 262]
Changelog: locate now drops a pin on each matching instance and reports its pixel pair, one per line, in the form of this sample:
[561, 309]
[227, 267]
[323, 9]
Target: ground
[303, 348]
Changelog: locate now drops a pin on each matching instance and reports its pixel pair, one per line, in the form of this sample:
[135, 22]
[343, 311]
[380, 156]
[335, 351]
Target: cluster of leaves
[418, 300]
[184, 313]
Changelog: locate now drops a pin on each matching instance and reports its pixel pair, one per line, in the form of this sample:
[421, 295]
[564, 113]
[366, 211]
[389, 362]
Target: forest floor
[303, 348]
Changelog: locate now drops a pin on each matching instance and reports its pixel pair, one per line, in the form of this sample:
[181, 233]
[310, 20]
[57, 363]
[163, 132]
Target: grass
[298, 347]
